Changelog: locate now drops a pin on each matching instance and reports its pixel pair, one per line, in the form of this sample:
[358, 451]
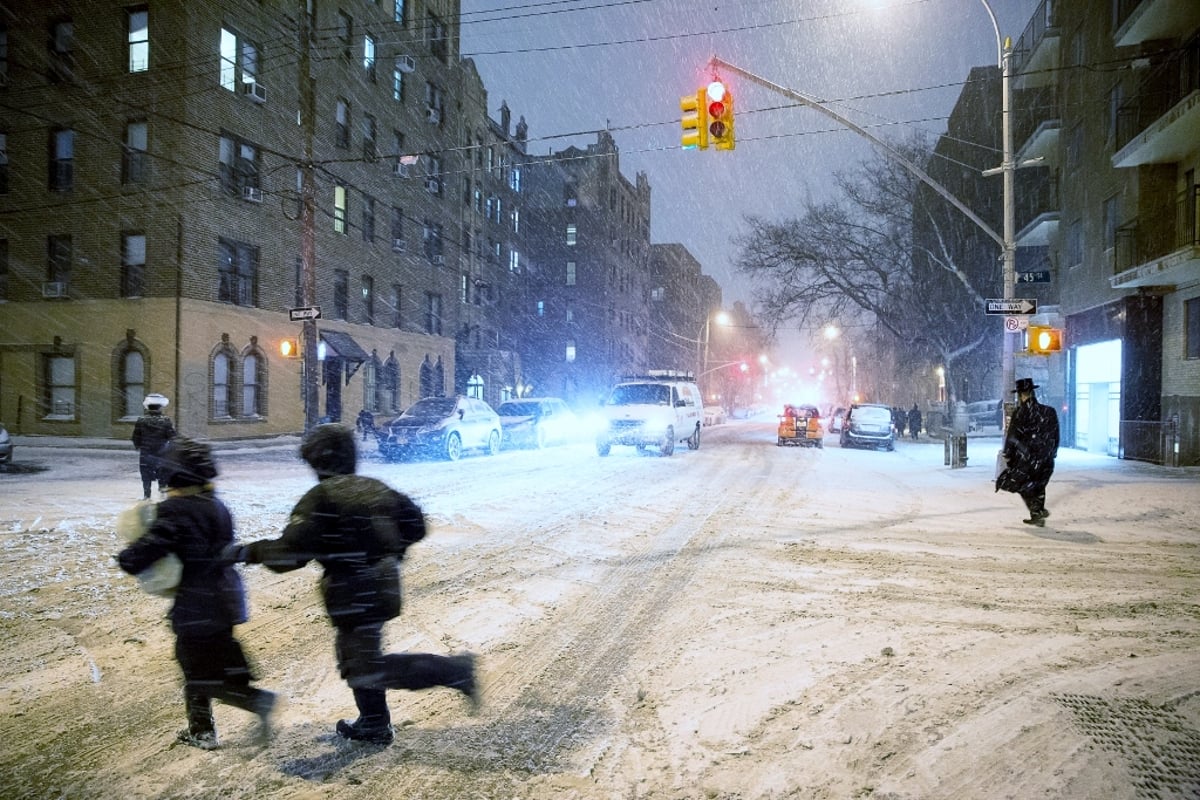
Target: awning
[342, 346]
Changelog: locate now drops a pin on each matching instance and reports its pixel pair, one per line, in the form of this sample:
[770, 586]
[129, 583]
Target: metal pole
[1010, 224]
[308, 213]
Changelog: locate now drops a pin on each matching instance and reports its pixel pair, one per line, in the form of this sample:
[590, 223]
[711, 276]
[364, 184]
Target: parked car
[538, 422]
[6, 445]
[441, 426]
[836, 419]
[869, 425]
[985, 414]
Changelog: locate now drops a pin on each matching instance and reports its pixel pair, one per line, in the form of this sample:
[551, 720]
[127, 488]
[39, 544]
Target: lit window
[137, 23]
[572, 235]
[339, 209]
[570, 273]
[570, 351]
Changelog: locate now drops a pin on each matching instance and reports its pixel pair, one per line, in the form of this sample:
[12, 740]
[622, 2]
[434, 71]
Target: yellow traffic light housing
[1043, 340]
[694, 121]
[719, 105]
[289, 348]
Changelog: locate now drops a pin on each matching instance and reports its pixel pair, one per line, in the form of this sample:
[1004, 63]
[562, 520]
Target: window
[464, 287]
[400, 166]
[431, 235]
[390, 385]
[368, 133]
[238, 62]
[341, 294]
[397, 305]
[132, 378]
[398, 12]
[133, 152]
[133, 264]
[252, 380]
[570, 273]
[1114, 111]
[570, 314]
[541, 308]
[572, 235]
[3, 52]
[1191, 321]
[433, 313]
[137, 27]
[514, 179]
[433, 103]
[62, 160]
[397, 228]
[3, 163]
[514, 261]
[515, 219]
[368, 219]
[60, 393]
[62, 51]
[342, 120]
[570, 354]
[368, 296]
[435, 32]
[222, 384]
[239, 165]
[368, 61]
[3, 269]
[398, 81]
[345, 34]
[339, 209]
[237, 273]
[371, 385]
[58, 257]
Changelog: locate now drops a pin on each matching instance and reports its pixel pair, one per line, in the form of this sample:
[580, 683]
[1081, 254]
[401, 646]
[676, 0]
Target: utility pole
[308, 212]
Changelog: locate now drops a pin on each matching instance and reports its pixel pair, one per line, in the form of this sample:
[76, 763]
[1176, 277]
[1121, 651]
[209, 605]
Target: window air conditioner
[434, 115]
[439, 260]
[255, 91]
[54, 289]
[401, 169]
[406, 63]
[432, 185]
[399, 245]
[252, 194]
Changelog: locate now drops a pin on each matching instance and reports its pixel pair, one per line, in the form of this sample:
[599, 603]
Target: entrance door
[333, 389]
[1098, 397]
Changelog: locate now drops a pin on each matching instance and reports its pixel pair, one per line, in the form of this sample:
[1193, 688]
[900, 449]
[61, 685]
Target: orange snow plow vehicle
[800, 425]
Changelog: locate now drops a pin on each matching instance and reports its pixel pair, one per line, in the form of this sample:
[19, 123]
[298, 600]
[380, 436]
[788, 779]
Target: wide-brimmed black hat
[1025, 385]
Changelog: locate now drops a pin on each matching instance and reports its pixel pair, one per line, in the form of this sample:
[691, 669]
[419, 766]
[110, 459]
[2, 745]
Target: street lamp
[722, 319]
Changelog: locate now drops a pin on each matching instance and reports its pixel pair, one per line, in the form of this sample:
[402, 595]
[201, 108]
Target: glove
[234, 553]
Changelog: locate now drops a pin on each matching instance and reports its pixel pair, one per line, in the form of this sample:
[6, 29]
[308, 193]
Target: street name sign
[1006, 307]
[1037, 276]
[314, 312]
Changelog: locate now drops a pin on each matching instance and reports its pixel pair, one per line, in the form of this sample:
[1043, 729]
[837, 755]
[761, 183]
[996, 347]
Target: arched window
[426, 378]
[222, 384]
[370, 384]
[439, 379]
[132, 377]
[253, 396]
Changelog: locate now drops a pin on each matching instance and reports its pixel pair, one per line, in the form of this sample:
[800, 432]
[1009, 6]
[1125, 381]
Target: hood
[330, 450]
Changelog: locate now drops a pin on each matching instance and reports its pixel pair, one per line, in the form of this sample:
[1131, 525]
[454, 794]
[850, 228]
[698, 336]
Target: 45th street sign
[1007, 307]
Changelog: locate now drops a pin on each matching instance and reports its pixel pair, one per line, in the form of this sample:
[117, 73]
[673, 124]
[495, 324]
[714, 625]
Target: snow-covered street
[740, 621]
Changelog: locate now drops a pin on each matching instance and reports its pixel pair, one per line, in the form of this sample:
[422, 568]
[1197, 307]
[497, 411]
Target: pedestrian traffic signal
[694, 121]
[289, 348]
[720, 115]
[1044, 340]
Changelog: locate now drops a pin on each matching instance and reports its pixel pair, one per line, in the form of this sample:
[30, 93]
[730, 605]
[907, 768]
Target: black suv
[869, 425]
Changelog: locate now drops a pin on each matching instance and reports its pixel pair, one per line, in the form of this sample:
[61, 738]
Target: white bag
[162, 577]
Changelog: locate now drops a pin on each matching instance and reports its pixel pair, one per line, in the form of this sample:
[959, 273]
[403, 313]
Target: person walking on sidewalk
[914, 421]
[151, 433]
[358, 529]
[1030, 447]
[196, 526]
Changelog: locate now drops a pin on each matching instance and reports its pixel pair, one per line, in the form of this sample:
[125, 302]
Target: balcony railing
[1165, 86]
[1132, 249]
[1043, 21]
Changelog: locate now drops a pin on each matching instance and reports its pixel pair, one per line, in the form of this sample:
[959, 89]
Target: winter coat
[1030, 446]
[358, 529]
[194, 525]
[152, 432]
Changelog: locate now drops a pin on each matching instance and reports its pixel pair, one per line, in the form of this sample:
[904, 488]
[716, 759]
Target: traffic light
[694, 121]
[289, 348]
[720, 115]
[1044, 340]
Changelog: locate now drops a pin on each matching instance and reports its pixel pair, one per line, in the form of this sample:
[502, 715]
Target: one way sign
[314, 312]
[1006, 307]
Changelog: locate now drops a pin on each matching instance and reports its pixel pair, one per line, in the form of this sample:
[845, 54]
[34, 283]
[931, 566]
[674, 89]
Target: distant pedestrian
[899, 420]
[365, 423]
[151, 433]
[914, 421]
[1030, 447]
[358, 528]
[196, 526]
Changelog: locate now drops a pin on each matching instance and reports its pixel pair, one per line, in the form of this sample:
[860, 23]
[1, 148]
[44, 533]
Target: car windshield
[640, 394]
[432, 408]
[872, 415]
[517, 409]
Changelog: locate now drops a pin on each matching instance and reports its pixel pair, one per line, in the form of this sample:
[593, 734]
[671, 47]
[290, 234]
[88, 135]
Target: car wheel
[493, 443]
[454, 447]
[603, 447]
[694, 440]
[668, 443]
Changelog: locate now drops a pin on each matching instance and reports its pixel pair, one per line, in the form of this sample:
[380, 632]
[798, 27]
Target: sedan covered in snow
[538, 422]
[443, 427]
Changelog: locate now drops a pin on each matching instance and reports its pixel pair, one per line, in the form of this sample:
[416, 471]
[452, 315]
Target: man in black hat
[1030, 447]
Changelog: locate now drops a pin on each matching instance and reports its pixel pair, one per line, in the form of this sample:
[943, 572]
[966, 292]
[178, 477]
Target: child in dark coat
[194, 525]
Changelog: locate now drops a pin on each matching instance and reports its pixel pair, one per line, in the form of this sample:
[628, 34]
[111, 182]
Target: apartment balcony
[1161, 123]
[1037, 208]
[1035, 58]
[1140, 21]
[1037, 127]
[1139, 260]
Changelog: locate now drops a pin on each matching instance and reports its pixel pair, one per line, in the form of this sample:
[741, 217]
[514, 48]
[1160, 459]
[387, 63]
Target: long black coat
[358, 529]
[1031, 445]
[195, 526]
[152, 432]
